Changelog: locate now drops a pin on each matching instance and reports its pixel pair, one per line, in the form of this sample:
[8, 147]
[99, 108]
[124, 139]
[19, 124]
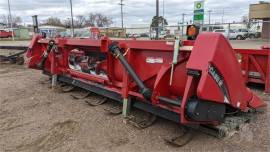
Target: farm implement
[198, 84]
[7, 54]
[255, 64]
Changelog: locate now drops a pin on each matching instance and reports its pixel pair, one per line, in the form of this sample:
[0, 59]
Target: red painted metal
[255, 64]
[223, 58]
[151, 60]
[5, 34]
[94, 33]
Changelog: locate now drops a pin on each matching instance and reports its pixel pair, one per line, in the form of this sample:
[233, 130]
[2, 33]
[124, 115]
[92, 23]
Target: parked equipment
[255, 64]
[207, 90]
[5, 34]
[15, 57]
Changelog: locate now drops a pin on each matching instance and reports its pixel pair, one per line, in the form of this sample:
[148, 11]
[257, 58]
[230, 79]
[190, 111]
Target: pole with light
[35, 23]
[157, 16]
[122, 14]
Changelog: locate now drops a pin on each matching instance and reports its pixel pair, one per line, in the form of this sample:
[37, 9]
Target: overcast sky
[135, 11]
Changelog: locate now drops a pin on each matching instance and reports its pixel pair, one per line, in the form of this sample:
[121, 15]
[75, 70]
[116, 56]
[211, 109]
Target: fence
[236, 30]
[233, 31]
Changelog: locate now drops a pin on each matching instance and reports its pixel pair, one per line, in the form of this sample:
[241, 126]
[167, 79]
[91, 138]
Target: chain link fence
[232, 31]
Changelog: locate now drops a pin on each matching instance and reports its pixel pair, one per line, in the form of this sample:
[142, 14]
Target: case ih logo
[220, 82]
[215, 75]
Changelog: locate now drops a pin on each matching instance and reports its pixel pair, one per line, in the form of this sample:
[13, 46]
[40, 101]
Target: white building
[51, 31]
[138, 29]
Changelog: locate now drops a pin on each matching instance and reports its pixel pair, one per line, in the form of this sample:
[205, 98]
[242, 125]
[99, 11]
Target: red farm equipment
[5, 34]
[198, 84]
[255, 66]
[12, 57]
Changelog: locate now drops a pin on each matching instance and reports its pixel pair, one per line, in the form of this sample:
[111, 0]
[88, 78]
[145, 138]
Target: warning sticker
[154, 60]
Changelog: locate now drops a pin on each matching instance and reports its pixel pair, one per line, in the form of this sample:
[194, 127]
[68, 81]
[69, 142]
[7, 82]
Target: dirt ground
[15, 43]
[34, 118]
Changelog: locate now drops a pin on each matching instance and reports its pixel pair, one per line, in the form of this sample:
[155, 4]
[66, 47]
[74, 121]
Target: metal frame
[14, 57]
[137, 62]
[256, 61]
[103, 91]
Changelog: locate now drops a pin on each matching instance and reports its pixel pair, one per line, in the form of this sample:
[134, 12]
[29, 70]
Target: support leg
[126, 107]
[54, 81]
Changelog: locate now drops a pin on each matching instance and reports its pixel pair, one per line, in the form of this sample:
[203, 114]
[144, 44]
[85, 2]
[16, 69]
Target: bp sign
[199, 6]
[198, 12]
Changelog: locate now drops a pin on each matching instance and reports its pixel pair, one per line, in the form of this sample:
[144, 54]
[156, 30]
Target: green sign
[198, 17]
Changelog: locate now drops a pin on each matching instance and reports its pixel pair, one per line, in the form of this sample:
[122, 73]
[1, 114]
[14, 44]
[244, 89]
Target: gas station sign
[198, 17]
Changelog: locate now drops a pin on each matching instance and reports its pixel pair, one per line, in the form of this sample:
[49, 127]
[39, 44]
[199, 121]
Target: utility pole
[209, 16]
[163, 13]
[222, 19]
[35, 24]
[10, 20]
[72, 21]
[122, 14]
[183, 21]
[157, 15]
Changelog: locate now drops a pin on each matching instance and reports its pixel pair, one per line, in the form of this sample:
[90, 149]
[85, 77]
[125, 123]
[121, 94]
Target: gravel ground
[34, 118]
[15, 43]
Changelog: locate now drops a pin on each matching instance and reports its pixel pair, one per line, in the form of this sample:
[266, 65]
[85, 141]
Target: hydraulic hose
[115, 50]
[45, 55]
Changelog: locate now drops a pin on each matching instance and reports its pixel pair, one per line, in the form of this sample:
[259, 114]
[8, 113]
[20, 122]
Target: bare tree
[16, 20]
[99, 20]
[103, 21]
[54, 21]
[3, 19]
[67, 23]
[91, 19]
[80, 21]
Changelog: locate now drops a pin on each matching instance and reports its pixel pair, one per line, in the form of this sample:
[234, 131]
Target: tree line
[5, 19]
[80, 21]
